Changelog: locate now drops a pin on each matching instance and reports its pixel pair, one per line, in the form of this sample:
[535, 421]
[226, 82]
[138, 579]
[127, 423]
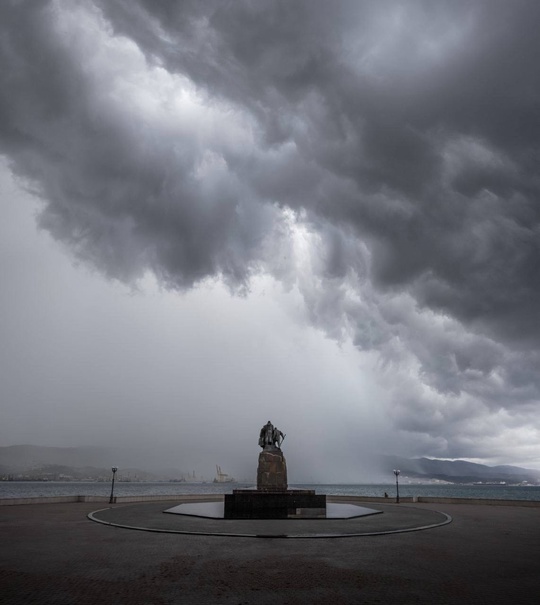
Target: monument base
[272, 470]
[287, 504]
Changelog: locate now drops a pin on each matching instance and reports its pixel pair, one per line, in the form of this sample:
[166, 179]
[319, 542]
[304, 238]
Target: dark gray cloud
[380, 157]
[427, 116]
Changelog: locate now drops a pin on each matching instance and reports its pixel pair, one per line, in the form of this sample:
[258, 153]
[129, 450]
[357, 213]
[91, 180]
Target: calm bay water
[34, 489]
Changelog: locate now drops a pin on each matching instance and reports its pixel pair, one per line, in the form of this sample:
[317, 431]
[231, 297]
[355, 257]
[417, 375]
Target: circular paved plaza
[54, 554]
[153, 517]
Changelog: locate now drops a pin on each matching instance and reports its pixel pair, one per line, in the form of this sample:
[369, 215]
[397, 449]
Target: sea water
[35, 489]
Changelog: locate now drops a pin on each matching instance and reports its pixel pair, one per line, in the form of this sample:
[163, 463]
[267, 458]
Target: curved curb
[447, 520]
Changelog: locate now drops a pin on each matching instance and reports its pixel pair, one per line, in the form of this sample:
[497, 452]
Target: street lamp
[114, 469]
[396, 473]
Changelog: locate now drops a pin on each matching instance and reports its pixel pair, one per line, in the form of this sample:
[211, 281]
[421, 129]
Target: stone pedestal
[272, 471]
[288, 504]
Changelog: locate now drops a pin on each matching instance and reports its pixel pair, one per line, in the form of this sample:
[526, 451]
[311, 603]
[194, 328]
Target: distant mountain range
[459, 471]
[32, 461]
[20, 457]
[92, 462]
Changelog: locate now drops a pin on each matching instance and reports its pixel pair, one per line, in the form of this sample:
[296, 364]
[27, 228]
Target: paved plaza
[52, 553]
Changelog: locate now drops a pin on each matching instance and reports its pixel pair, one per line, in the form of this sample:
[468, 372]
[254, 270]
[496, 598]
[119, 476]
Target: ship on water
[222, 477]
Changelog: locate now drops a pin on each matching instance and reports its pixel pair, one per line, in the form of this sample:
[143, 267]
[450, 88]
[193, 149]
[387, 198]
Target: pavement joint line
[165, 531]
[91, 516]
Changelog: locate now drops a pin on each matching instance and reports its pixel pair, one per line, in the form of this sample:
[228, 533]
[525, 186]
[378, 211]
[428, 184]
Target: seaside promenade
[52, 553]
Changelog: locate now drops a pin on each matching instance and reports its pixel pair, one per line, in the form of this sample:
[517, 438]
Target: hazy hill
[35, 456]
[459, 471]
[77, 462]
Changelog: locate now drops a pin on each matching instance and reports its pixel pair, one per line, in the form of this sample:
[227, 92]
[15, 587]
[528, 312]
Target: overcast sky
[325, 214]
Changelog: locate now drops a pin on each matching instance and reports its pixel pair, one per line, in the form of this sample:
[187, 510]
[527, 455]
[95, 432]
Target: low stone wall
[105, 499]
[48, 500]
[380, 499]
[218, 497]
[435, 500]
[534, 503]
[176, 497]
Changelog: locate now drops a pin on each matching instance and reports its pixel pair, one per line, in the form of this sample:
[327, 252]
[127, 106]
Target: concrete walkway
[52, 553]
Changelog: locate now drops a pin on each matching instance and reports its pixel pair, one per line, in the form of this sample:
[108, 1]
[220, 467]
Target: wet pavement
[52, 553]
[390, 518]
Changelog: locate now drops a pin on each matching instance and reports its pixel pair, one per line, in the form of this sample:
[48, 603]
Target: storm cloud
[379, 158]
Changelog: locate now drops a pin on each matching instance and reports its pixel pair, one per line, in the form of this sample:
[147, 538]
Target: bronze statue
[270, 436]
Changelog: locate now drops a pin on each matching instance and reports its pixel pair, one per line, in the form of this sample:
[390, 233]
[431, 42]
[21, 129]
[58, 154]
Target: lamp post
[396, 473]
[114, 469]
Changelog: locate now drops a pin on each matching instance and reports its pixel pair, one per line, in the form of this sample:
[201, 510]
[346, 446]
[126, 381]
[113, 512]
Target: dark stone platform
[215, 510]
[285, 504]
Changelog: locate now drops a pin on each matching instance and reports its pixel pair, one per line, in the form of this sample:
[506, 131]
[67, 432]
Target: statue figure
[270, 436]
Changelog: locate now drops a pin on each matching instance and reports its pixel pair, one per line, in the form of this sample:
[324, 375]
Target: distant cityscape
[63, 473]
